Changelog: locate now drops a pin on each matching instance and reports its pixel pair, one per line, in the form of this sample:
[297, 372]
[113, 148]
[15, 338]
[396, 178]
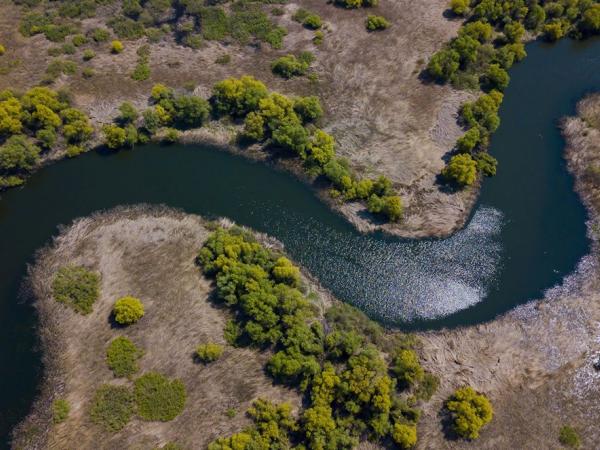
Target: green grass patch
[158, 398]
[60, 410]
[122, 356]
[77, 288]
[112, 407]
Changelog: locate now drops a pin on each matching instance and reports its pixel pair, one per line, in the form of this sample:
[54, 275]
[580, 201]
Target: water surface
[527, 230]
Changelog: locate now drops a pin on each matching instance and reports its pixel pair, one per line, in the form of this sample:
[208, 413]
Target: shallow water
[527, 230]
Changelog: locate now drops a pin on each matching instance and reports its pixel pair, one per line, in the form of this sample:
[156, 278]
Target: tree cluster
[350, 389]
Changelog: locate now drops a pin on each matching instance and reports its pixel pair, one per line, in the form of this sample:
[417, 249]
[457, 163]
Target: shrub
[312, 22]
[468, 141]
[289, 66]
[2, 50]
[238, 96]
[569, 437]
[407, 369]
[462, 169]
[388, 205]
[486, 164]
[116, 47]
[444, 64]
[78, 40]
[209, 352]
[308, 108]
[125, 28]
[100, 34]
[88, 54]
[191, 111]
[318, 39]
[128, 310]
[74, 150]
[127, 113]
[405, 435]
[88, 72]
[77, 288]
[590, 20]
[496, 77]
[470, 411]
[223, 59]
[141, 72]
[114, 136]
[459, 7]
[427, 387]
[376, 23]
[18, 154]
[122, 356]
[158, 398]
[112, 407]
[171, 136]
[68, 49]
[254, 127]
[60, 410]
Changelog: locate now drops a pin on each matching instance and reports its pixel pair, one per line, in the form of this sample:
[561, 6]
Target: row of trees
[350, 389]
[487, 45]
[38, 120]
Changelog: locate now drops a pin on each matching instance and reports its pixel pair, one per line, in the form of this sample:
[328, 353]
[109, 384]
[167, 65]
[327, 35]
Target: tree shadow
[447, 425]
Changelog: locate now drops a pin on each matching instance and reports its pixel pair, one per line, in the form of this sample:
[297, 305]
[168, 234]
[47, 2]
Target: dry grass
[385, 119]
[148, 254]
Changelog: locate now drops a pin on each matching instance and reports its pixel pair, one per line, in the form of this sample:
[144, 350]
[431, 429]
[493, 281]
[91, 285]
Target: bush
[18, 154]
[470, 411]
[88, 54]
[289, 66]
[308, 108]
[77, 288]
[122, 356]
[88, 72]
[78, 40]
[318, 39]
[112, 407]
[468, 141]
[171, 136]
[407, 369]
[459, 7]
[125, 28]
[462, 169]
[128, 310]
[191, 111]
[444, 64]
[486, 164]
[569, 437]
[141, 72]
[100, 34]
[496, 77]
[158, 398]
[2, 50]
[60, 410]
[238, 96]
[405, 435]
[254, 127]
[312, 22]
[114, 136]
[209, 352]
[590, 20]
[127, 113]
[427, 387]
[376, 23]
[116, 47]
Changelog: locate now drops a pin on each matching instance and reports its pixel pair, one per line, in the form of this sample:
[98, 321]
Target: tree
[161, 92]
[77, 127]
[496, 77]
[191, 111]
[444, 64]
[477, 30]
[238, 96]
[284, 271]
[486, 164]
[470, 411]
[405, 435]
[128, 310]
[514, 32]
[254, 126]
[459, 7]
[321, 148]
[462, 169]
[407, 368]
[18, 154]
[114, 136]
[289, 66]
[291, 136]
[308, 108]
[128, 113]
[11, 114]
[468, 141]
[209, 352]
[590, 20]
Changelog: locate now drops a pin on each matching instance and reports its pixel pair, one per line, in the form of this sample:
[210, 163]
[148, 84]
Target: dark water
[526, 233]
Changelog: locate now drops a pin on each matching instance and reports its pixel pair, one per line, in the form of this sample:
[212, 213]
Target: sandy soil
[385, 119]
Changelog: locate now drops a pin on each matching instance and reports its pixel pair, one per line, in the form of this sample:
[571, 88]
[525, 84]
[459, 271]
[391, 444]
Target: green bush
[462, 169]
[112, 407]
[308, 108]
[88, 72]
[60, 410]
[444, 64]
[376, 23]
[158, 398]
[569, 437]
[122, 356]
[407, 368]
[78, 40]
[116, 47]
[459, 7]
[405, 435]
[289, 66]
[88, 54]
[128, 310]
[469, 411]
[209, 352]
[127, 113]
[486, 164]
[318, 39]
[427, 387]
[312, 22]
[126, 28]
[18, 154]
[114, 136]
[590, 21]
[100, 34]
[77, 288]
[141, 72]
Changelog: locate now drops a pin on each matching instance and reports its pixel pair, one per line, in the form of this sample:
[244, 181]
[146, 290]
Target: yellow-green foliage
[470, 411]
[459, 7]
[405, 435]
[158, 398]
[569, 437]
[122, 356]
[116, 47]
[407, 369]
[285, 272]
[376, 23]
[112, 407]
[128, 310]
[209, 352]
[60, 410]
[2, 50]
[76, 287]
[462, 169]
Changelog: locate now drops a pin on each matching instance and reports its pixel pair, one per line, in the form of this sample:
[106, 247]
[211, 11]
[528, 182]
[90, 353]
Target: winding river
[526, 232]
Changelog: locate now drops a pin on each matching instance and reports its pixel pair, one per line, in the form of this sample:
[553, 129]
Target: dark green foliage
[191, 111]
[122, 356]
[158, 398]
[496, 77]
[112, 407]
[141, 72]
[18, 155]
[100, 34]
[289, 66]
[60, 410]
[308, 108]
[569, 437]
[427, 387]
[486, 164]
[444, 64]
[126, 28]
[376, 23]
[77, 288]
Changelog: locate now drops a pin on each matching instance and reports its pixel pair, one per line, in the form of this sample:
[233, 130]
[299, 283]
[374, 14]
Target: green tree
[18, 154]
[407, 368]
[405, 435]
[128, 310]
[468, 141]
[308, 108]
[284, 271]
[127, 113]
[459, 7]
[470, 411]
[496, 77]
[462, 169]
[238, 96]
[254, 126]
[444, 64]
[514, 32]
[191, 111]
[114, 136]
[486, 164]
[590, 20]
